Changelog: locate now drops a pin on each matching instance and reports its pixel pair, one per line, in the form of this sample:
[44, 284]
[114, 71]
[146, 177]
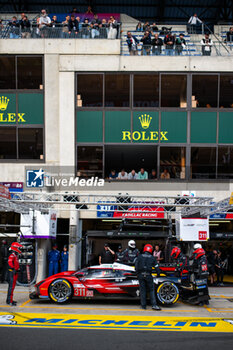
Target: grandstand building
[84, 107]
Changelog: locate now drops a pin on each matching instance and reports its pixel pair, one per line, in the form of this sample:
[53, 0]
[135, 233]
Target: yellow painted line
[208, 308]
[96, 309]
[26, 302]
[116, 322]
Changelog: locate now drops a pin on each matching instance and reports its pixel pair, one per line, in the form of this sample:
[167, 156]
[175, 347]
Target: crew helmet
[148, 248]
[175, 252]
[197, 246]
[15, 246]
[198, 253]
[132, 244]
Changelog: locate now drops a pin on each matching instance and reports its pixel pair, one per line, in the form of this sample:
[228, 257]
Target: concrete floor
[221, 305]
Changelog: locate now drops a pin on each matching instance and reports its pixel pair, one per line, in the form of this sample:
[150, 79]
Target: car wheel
[60, 291]
[167, 293]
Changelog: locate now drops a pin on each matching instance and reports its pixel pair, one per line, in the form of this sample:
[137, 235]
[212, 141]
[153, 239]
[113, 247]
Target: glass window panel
[30, 143]
[90, 161]
[7, 72]
[204, 91]
[146, 90]
[29, 70]
[225, 162]
[89, 90]
[172, 163]
[7, 143]
[117, 90]
[173, 90]
[131, 158]
[226, 91]
[203, 162]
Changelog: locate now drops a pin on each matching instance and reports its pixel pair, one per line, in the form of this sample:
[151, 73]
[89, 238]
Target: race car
[106, 280]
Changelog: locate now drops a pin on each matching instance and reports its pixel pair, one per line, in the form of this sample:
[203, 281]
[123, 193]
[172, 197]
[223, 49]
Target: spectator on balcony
[146, 44]
[86, 29]
[156, 44]
[142, 174]
[230, 35]
[132, 175]
[44, 23]
[169, 42]
[73, 26]
[95, 24]
[54, 33]
[14, 28]
[65, 27]
[193, 23]
[165, 175]
[25, 27]
[206, 43]
[113, 175]
[153, 175]
[79, 24]
[104, 29]
[180, 44]
[112, 24]
[89, 10]
[146, 26]
[132, 43]
[122, 175]
[154, 27]
[139, 27]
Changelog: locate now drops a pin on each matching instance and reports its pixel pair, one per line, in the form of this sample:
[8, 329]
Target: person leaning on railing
[206, 43]
[44, 23]
[73, 26]
[146, 43]
[104, 29]
[132, 43]
[156, 44]
[14, 28]
[112, 24]
[25, 27]
[65, 27]
[86, 29]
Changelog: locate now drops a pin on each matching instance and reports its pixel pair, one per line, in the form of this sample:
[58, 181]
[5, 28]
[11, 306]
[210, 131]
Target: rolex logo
[4, 103]
[145, 120]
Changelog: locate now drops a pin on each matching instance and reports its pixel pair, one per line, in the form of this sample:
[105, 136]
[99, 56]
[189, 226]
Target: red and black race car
[112, 280]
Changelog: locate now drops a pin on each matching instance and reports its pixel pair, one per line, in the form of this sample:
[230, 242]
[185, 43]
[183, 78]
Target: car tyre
[60, 291]
[167, 293]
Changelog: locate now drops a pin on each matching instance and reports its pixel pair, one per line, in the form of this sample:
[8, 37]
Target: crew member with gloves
[13, 268]
[143, 267]
[54, 257]
[119, 256]
[64, 259]
[200, 270]
[131, 253]
[4, 254]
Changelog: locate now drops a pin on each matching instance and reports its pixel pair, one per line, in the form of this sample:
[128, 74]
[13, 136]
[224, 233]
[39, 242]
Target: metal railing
[58, 31]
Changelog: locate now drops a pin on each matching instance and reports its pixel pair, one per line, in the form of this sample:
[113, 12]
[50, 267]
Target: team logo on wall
[145, 120]
[9, 117]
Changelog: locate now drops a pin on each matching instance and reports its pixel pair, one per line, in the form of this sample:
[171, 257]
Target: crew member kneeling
[143, 266]
[13, 268]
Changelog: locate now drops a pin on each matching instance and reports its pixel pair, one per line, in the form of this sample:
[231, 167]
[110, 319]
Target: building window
[130, 158]
[225, 162]
[29, 72]
[204, 91]
[172, 163]
[90, 161]
[89, 90]
[226, 91]
[203, 162]
[30, 143]
[146, 90]
[117, 90]
[7, 143]
[7, 72]
[174, 90]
